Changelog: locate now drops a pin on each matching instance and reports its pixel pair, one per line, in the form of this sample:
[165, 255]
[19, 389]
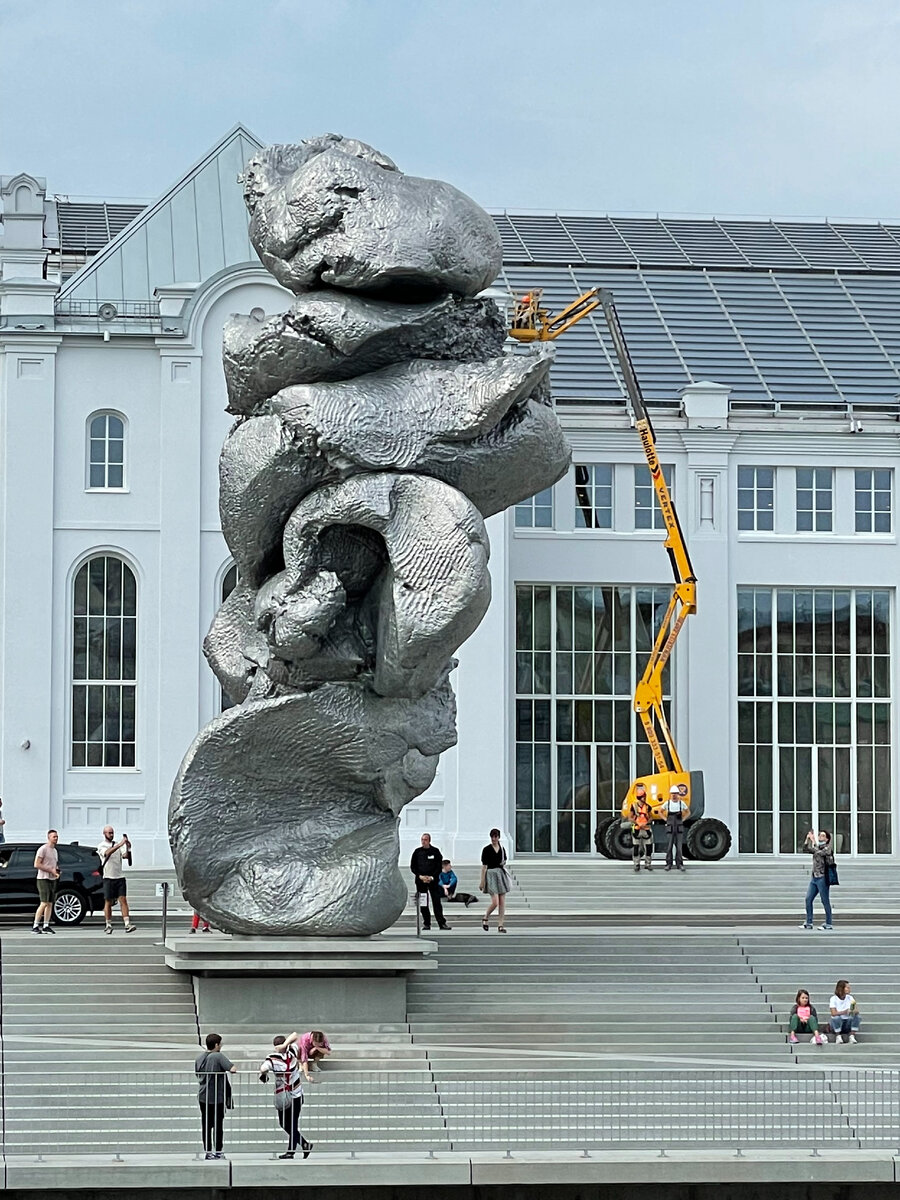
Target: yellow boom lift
[705, 838]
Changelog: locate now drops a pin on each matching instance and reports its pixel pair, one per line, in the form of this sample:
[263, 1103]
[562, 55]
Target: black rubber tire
[600, 836]
[70, 906]
[618, 840]
[708, 839]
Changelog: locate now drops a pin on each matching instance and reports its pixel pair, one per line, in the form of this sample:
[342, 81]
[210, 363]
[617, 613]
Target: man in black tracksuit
[425, 865]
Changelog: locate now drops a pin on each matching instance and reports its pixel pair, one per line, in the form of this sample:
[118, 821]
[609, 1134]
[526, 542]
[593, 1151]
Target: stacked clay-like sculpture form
[379, 420]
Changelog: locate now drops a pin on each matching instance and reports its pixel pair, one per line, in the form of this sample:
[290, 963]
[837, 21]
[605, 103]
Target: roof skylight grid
[705, 337]
[599, 240]
[858, 365]
[763, 244]
[650, 241]
[90, 226]
[878, 300]
[874, 244]
[774, 338]
[705, 243]
[513, 246]
[659, 369]
[820, 245]
[546, 239]
[581, 368]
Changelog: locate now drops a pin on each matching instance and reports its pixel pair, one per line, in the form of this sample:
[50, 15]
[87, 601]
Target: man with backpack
[284, 1064]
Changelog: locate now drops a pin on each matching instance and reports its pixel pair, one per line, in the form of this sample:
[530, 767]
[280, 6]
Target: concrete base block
[166, 1173]
[319, 981]
[362, 1171]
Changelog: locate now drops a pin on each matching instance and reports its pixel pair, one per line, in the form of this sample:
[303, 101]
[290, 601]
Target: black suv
[80, 887]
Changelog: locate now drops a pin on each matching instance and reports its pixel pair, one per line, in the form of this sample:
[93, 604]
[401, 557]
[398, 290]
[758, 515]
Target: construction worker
[641, 829]
[676, 809]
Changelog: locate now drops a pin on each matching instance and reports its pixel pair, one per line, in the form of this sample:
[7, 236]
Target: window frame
[89, 439]
[756, 490]
[529, 507]
[72, 682]
[871, 492]
[815, 489]
[591, 487]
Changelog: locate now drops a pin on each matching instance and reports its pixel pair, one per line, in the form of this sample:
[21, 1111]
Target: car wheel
[70, 906]
[618, 840]
[708, 839]
[600, 836]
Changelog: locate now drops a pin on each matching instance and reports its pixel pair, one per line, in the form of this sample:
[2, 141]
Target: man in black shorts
[114, 886]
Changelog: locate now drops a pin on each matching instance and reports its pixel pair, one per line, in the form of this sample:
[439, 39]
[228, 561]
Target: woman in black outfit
[494, 880]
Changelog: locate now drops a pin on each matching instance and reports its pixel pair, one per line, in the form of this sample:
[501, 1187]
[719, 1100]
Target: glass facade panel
[579, 652]
[104, 664]
[817, 753]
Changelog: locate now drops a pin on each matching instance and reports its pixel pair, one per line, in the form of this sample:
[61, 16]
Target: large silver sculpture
[379, 420]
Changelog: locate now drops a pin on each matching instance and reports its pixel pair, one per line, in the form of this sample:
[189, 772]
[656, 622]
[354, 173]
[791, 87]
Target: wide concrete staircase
[553, 1038]
[96, 1030]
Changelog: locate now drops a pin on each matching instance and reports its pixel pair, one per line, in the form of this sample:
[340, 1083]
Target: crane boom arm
[530, 322]
[648, 703]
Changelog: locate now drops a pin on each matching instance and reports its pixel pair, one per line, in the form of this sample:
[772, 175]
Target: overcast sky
[768, 107]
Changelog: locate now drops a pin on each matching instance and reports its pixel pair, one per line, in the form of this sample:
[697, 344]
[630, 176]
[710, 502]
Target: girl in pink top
[313, 1046]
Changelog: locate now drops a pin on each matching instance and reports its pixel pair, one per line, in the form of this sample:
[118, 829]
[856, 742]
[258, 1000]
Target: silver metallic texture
[380, 420]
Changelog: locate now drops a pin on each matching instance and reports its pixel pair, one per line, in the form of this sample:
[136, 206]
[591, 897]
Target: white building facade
[772, 375]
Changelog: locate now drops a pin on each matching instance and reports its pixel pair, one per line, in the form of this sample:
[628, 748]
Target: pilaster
[707, 686]
[27, 403]
[178, 685]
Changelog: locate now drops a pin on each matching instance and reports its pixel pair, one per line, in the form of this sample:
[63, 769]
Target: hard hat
[675, 789]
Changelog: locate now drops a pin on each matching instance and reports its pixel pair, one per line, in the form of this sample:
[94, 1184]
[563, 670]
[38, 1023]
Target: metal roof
[783, 312]
[86, 227]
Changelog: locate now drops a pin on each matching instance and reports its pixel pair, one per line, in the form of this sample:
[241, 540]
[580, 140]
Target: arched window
[104, 664]
[106, 452]
[229, 583]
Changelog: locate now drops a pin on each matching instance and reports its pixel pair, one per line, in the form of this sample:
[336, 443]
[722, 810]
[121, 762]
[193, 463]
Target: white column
[27, 400]
[705, 666]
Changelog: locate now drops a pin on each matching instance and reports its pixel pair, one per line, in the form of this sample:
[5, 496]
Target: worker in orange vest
[641, 830]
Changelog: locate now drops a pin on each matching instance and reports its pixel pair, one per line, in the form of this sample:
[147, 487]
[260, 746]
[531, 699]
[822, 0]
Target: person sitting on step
[449, 883]
[805, 1019]
[845, 1016]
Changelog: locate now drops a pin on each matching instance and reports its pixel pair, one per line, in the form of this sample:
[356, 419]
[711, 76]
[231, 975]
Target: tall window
[104, 664]
[593, 496]
[647, 513]
[873, 500]
[815, 486]
[580, 651]
[814, 718]
[229, 583]
[536, 512]
[106, 452]
[756, 498]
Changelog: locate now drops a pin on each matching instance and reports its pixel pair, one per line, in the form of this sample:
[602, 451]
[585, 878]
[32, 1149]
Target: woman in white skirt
[494, 880]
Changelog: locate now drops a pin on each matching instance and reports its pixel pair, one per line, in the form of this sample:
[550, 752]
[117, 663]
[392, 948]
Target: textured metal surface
[379, 421]
[334, 211]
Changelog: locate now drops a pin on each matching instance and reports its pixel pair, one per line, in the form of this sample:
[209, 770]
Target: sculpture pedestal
[317, 982]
